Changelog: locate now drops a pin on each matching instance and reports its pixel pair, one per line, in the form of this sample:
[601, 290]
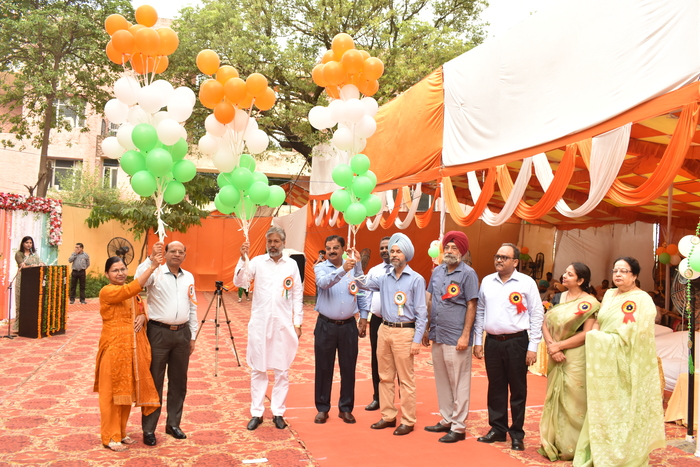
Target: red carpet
[50, 414]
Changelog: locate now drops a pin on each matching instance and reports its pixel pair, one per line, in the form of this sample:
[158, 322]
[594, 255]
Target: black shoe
[439, 428]
[452, 437]
[321, 417]
[347, 417]
[149, 439]
[83, 302]
[279, 422]
[175, 432]
[374, 405]
[518, 445]
[492, 437]
[381, 424]
[403, 430]
[254, 423]
[72, 301]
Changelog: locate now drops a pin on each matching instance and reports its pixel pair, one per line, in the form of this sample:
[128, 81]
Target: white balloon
[213, 126]
[111, 147]
[257, 142]
[320, 118]
[183, 133]
[223, 160]
[342, 139]
[208, 144]
[160, 116]
[116, 111]
[125, 89]
[358, 144]
[186, 93]
[240, 120]
[179, 107]
[165, 89]
[354, 110]
[365, 127]
[344, 125]
[252, 126]
[336, 110]
[686, 271]
[686, 244]
[137, 115]
[349, 91]
[371, 106]
[169, 132]
[150, 99]
[124, 136]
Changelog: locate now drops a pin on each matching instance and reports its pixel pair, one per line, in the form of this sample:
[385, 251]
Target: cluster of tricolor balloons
[355, 200]
[243, 189]
[689, 247]
[147, 49]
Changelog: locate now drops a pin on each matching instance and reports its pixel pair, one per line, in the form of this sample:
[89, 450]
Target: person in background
[543, 284]
[80, 261]
[601, 289]
[242, 291]
[25, 257]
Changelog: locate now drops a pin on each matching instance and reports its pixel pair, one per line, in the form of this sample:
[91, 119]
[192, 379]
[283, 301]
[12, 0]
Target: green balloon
[359, 164]
[693, 259]
[159, 162]
[224, 179]
[229, 195]
[340, 200]
[361, 186]
[373, 204]
[355, 214]
[132, 162]
[245, 209]
[144, 136]
[179, 150]
[241, 178]
[260, 177]
[277, 196]
[369, 174]
[174, 192]
[247, 161]
[342, 175]
[665, 258]
[433, 252]
[184, 171]
[221, 207]
[259, 192]
[143, 183]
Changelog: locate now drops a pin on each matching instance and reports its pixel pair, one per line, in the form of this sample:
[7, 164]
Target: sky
[502, 14]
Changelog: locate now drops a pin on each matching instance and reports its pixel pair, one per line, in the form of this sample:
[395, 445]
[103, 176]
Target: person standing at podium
[26, 257]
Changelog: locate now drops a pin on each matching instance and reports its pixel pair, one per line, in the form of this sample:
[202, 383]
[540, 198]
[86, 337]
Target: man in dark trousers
[80, 261]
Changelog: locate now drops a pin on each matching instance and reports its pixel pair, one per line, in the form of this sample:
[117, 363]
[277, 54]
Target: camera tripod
[218, 297]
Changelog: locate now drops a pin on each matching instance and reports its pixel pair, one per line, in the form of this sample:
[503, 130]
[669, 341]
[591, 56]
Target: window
[61, 169]
[109, 129]
[111, 171]
[72, 113]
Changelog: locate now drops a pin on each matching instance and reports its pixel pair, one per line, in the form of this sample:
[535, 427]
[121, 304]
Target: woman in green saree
[624, 421]
[564, 330]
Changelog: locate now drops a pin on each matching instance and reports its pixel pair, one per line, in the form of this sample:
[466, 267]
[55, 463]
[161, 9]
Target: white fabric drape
[294, 226]
[325, 158]
[415, 199]
[32, 224]
[511, 204]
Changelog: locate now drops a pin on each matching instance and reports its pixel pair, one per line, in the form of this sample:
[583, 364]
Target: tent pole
[667, 237]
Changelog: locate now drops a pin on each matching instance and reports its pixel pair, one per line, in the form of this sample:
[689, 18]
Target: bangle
[298, 326]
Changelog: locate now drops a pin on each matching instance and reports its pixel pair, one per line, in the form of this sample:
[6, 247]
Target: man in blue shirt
[404, 317]
[336, 329]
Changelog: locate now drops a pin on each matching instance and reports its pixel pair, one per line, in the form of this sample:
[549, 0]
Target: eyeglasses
[501, 258]
[121, 271]
[621, 271]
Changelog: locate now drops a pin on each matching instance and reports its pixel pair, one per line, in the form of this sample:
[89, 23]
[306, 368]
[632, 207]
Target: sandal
[129, 440]
[116, 446]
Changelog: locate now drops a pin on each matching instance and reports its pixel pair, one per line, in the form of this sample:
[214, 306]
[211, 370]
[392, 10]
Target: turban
[459, 239]
[404, 244]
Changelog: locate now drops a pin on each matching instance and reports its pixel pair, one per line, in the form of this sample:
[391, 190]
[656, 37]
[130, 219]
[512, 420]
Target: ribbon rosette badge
[288, 284]
[192, 295]
[452, 291]
[583, 308]
[400, 300]
[517, 300]
[352, 288]
[628, 308]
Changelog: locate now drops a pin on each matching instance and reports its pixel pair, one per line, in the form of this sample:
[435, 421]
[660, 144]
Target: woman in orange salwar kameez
[122, 372]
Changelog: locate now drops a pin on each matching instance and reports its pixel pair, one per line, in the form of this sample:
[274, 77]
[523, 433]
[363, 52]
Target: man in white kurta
[275, 323]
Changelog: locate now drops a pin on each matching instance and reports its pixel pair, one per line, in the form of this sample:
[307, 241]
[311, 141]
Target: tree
[52, 51]
[284, 39]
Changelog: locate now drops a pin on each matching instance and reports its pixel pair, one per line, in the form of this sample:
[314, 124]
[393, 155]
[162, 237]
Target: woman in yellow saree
[624, 422]
[564, 331]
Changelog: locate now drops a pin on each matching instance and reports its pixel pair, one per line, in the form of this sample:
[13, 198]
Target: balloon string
[158, 198]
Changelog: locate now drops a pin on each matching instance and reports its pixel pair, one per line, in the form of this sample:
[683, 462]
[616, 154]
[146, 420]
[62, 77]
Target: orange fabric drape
[423, 219]
[668, 167]
[389, 221]
[453, 205]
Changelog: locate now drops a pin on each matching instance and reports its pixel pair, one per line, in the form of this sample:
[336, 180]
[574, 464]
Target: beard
[274, 252]
[450, 259]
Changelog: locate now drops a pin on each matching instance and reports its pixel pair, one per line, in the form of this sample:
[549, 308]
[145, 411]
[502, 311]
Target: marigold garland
[50, 206]
[53, 300]
[41, 300]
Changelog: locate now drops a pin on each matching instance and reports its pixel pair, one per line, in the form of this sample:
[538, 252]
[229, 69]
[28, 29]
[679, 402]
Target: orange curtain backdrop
[213, 248]
[5, 260]
[409, 130]
[668, 167]
[454, 208]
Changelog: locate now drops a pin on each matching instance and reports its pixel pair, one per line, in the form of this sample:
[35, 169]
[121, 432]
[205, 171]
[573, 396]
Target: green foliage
[50, 51]
[94, 283]
[85, 188]
[284, 39]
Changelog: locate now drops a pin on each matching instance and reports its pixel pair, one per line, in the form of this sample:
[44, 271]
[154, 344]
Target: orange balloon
[114, 23]
[146, 15]
[341, 43]
[147, 41]
[333, 91]
[660, 250]
[208, 61]
[352, 62]
[266, 100]
[329, 56]
[256, 84]
[235, 90]
[124, 42]
[525, 250]
[672, 249]
[365, 54]
[211, 92]
[142, 64]
[317, 76]
[168, 41]
[357, 79]
[135, 28]
[373, 68]
[224, 112]
[333, 73]
[246, 102]
[369, 88]
[114, 55]
[162, 63]
[225, 73]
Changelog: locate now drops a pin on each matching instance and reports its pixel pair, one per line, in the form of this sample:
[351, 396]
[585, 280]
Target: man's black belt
[172, 327]
[407, 324]
[505, 337]
[338, 322]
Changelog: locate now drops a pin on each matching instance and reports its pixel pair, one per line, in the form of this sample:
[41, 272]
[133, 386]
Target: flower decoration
[53, 207]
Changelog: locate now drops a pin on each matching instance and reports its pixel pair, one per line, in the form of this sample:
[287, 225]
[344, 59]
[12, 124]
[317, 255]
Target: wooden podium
[43, 302]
